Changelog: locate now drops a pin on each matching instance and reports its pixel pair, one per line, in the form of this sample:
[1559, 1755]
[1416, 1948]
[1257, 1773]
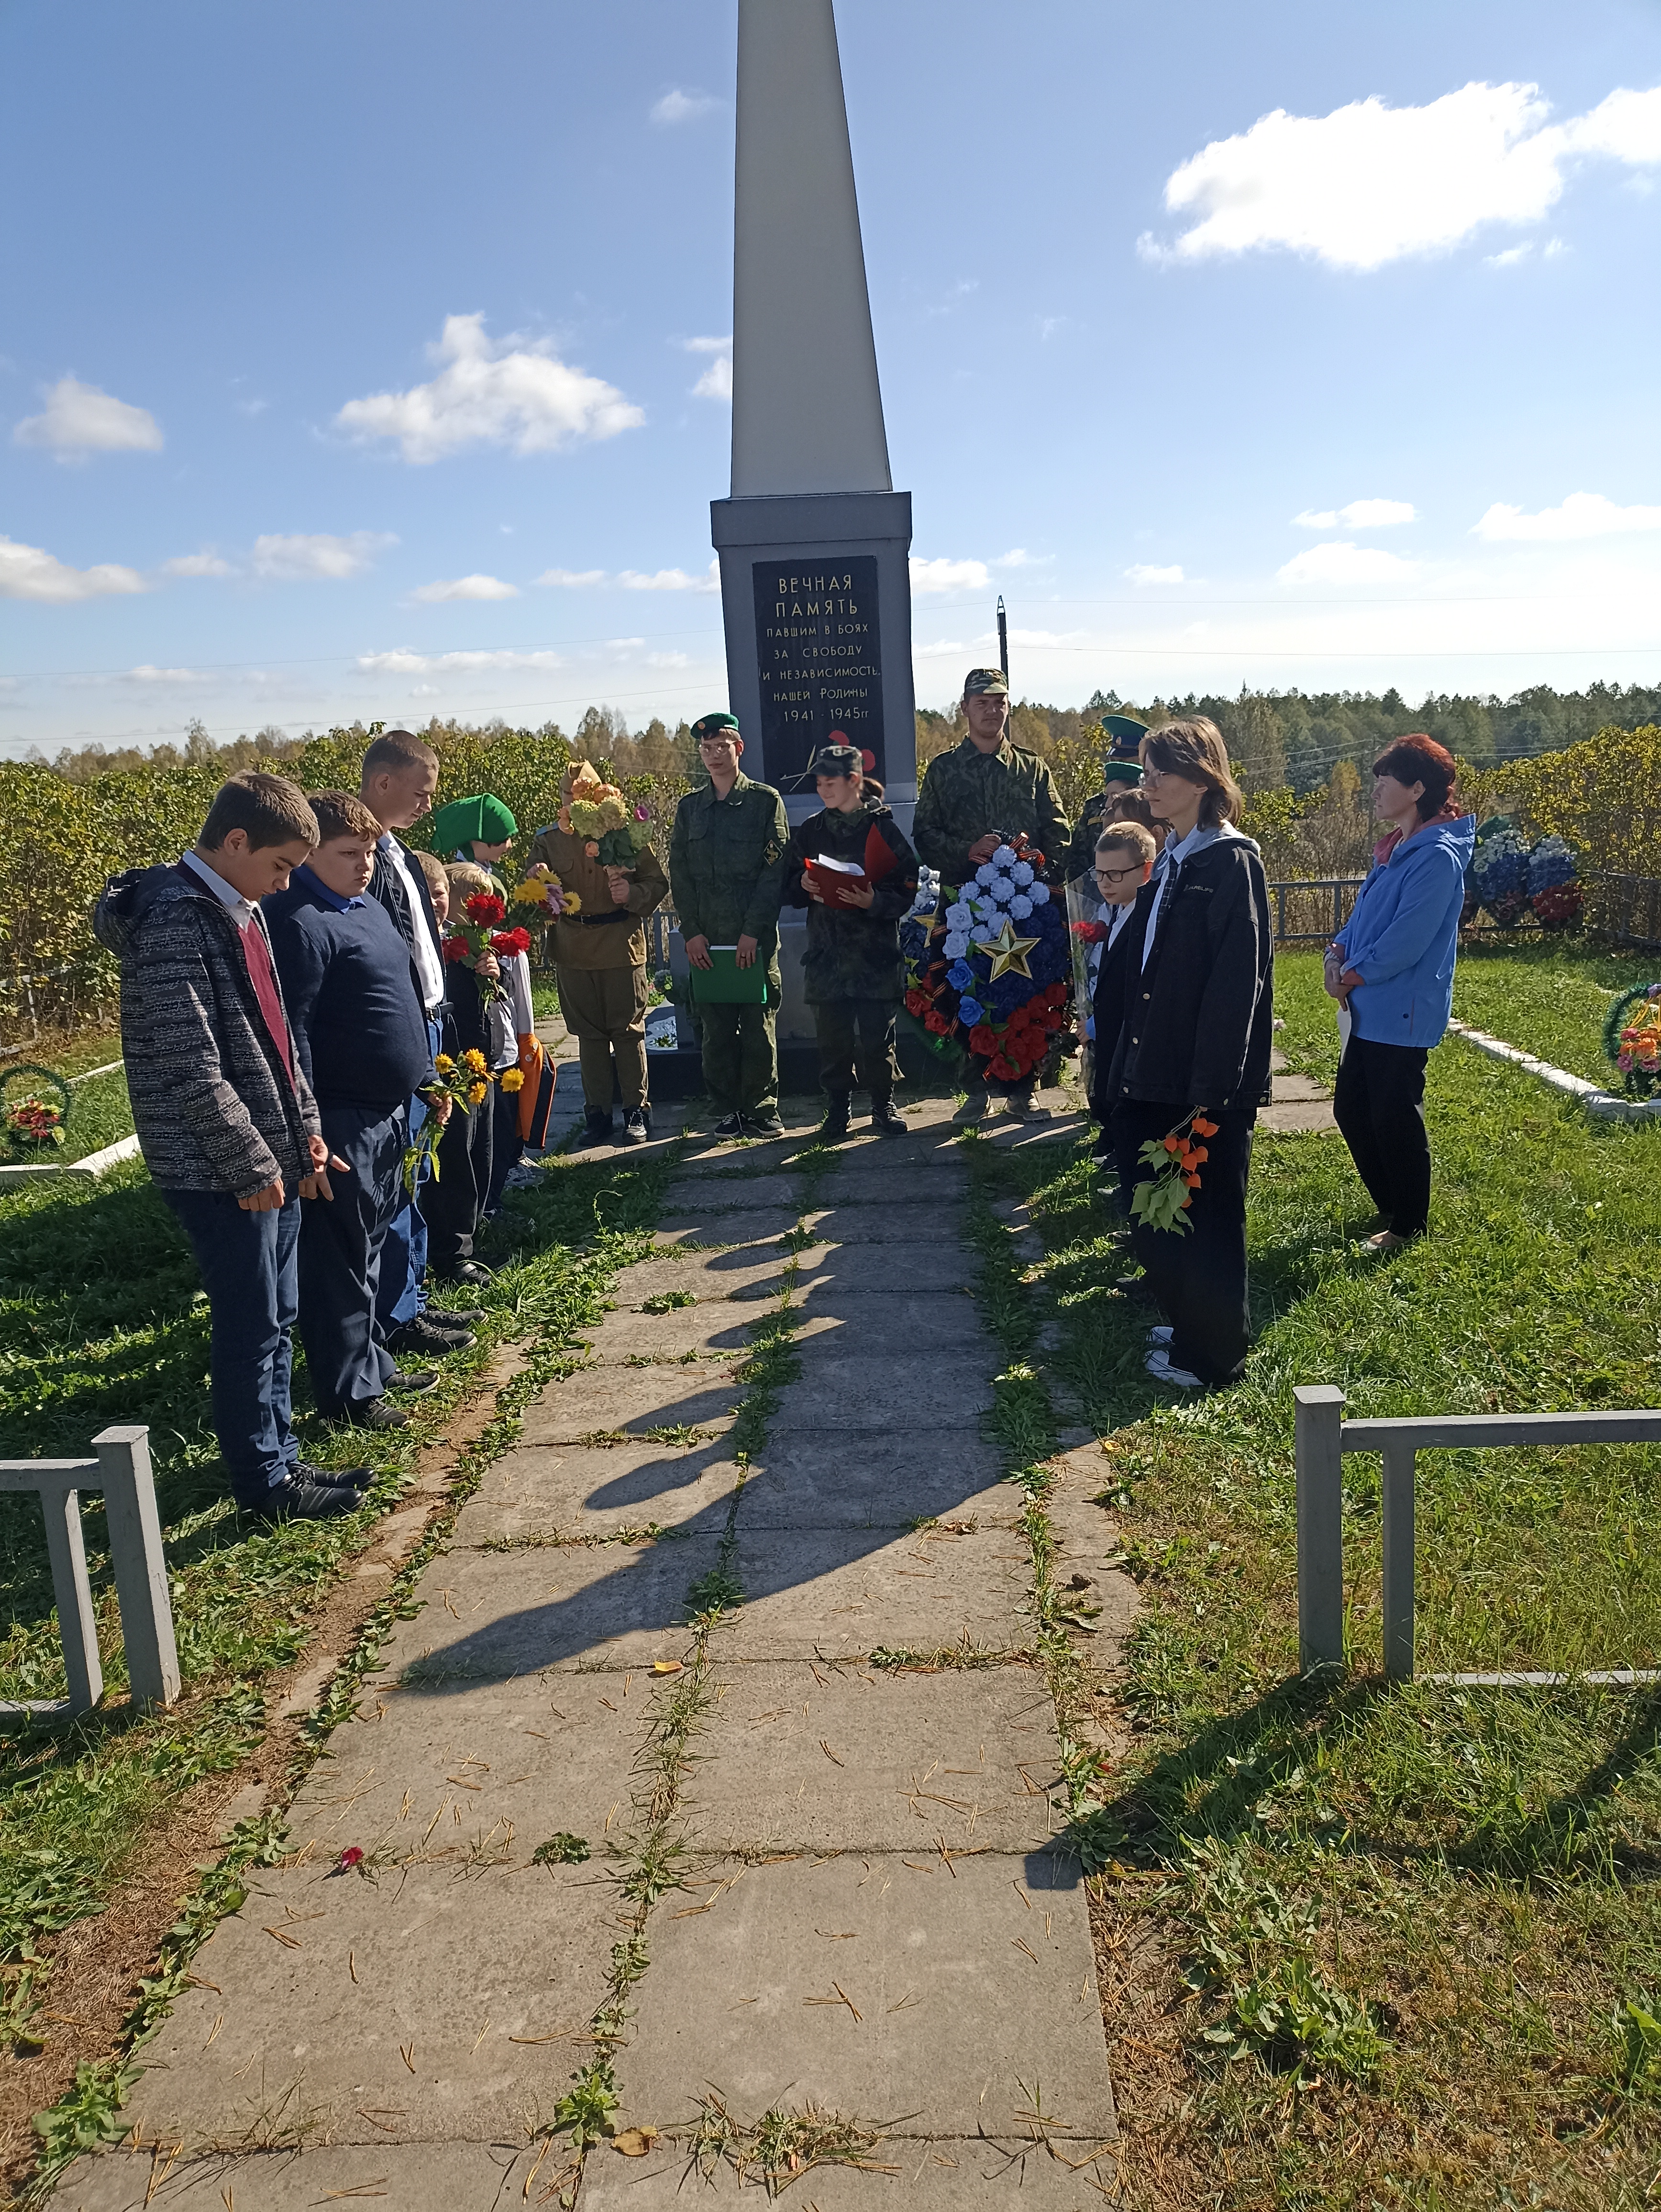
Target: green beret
[985, 680]
[710, 726]
[480, 820]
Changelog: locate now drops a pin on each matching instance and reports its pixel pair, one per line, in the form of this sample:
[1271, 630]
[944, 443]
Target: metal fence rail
[1324, 1436]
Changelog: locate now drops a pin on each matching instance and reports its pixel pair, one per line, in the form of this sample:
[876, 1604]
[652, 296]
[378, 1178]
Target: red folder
[834, 883]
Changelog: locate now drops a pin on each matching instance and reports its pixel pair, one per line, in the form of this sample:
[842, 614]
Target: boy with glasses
[1125, 855]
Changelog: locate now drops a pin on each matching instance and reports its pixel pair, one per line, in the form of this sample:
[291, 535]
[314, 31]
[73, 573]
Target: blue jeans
[403, 1255]
[249, 1271]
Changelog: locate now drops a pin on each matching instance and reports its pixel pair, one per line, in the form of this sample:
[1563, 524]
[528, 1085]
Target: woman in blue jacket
[1392, 966]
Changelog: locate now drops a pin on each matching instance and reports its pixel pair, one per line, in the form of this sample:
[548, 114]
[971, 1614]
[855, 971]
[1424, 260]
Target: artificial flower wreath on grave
[1631, 1040]
[991, 972]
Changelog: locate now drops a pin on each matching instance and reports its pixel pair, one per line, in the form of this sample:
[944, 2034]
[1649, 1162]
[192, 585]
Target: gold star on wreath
[1008, 953]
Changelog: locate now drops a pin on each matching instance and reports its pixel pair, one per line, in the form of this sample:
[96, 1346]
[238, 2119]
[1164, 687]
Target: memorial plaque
[818, 655]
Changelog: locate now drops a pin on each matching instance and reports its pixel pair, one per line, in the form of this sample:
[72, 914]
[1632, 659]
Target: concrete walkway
[760, 1640]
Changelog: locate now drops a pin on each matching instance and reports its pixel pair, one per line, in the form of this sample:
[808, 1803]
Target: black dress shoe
[421, 1333]
[299, 1500]
[886, 1121]
[415, 1384]
[470, 1271]
[456, 1318]
[730, 1125]
[763, 1125]
[332, 1478]
[374, 1413]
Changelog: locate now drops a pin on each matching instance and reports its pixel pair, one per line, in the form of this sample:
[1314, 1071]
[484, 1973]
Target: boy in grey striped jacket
[226, 1119]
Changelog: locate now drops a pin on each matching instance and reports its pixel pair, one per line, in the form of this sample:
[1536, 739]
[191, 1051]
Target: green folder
[726, 984]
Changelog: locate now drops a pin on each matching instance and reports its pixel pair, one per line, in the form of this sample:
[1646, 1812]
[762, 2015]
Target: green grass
[1550, 995]
[99, 1113]
[101, 1321]
[1415, 1920]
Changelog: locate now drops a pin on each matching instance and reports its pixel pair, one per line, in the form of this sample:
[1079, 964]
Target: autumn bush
[60, 839]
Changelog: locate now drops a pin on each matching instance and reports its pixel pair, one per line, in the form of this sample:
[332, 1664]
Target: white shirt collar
[425, 952]
[227, 894]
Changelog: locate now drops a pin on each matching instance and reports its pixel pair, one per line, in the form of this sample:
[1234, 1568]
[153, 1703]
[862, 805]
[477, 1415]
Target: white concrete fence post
[121, 1472]
[1319, 1436]
[1401, 1460]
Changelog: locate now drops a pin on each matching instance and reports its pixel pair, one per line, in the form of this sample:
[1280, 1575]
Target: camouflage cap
[713, 725]
[837, 760]
[985, 680]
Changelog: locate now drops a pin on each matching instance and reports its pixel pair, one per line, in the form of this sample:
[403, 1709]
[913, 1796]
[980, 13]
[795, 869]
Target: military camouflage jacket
[853, 952]
[965, 792]
[726, 863]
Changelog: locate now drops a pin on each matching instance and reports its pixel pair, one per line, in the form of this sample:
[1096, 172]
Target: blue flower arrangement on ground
[1511, 877]
[991, 971]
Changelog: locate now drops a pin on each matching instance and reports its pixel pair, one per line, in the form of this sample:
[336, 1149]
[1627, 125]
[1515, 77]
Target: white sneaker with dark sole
[1161, 1333]
[1159, 1365]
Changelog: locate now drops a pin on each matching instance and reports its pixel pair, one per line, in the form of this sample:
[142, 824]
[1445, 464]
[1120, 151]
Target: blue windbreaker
[1403, 934]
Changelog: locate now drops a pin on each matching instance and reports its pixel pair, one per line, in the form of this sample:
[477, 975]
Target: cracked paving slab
[936, 2175]
[840, 1593]
[406, 2177]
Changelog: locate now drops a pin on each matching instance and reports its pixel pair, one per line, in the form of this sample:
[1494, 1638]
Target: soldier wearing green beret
[1122, 771]
[853, 971]
[726, 870]
[983, 791]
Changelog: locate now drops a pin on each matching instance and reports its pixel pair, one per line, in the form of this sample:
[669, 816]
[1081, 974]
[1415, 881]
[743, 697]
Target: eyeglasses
[1116, 875]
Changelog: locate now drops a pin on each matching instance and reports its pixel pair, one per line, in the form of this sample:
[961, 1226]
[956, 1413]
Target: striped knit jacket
[211, 1101]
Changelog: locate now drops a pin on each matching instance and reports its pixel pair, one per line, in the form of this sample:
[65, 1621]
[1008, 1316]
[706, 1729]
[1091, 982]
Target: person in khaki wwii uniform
[983, 791]
[726, 870]
[599, 961]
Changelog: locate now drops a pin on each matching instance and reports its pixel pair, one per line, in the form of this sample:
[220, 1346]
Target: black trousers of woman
[452, 1202]
[1379, 1103]
[1200, 1279]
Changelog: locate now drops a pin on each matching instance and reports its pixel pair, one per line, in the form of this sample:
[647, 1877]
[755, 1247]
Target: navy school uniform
[361, 1035]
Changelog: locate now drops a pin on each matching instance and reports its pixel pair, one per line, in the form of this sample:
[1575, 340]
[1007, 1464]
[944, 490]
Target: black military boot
[834, 1126]
[885, 1120]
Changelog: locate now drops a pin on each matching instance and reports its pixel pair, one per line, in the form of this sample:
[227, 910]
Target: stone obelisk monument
[814, 539]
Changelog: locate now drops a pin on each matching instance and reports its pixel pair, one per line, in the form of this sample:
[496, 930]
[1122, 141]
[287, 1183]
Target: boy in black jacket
[1125, 853]
[362, 1033]
[852, 968]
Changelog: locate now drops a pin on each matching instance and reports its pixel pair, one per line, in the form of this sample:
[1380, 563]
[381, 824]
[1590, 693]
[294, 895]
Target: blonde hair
[467, 877]
[1195, 750]
[437, 875]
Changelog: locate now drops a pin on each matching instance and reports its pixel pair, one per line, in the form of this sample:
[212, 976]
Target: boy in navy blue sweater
[360, 1032]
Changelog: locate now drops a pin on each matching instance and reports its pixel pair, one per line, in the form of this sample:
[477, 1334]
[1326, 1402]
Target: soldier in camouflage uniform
[852, 968]
[726, 871]
[986, 789]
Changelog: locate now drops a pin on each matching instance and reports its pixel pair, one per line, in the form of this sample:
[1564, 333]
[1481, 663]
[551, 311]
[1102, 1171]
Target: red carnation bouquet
[477, 930]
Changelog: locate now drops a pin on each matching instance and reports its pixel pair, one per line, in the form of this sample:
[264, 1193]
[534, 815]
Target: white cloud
[147, 675]
[401, 662]
[518, 394]
[1511, 257]
[667, 660]
[1582, 515]
[464, 587]
[197, 564]
[684, 104]
[79, 419]
[1341, 563]
[251, 407]
[1144, 571]
[28, 572]
[671, 580]
[716, 381]
[301, 559]
[1019, 557]
[1359, 514]
[1369, 184]
[929, 576]
[574, 580]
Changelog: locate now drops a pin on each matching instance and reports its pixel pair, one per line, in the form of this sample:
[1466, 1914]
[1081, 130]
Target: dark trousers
[1379, 1103]
[507, 1146]
[342, 1250]
[247, 1264]
[742, 1058]
[404, 1255]
[1200, 1279]
[856, 1046]
[452, 1202]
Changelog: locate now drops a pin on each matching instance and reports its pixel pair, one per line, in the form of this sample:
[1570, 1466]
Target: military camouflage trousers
[856, 1046]
[740, 1058]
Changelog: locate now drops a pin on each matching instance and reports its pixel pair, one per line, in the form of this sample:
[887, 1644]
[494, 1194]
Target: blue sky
[1288, 345]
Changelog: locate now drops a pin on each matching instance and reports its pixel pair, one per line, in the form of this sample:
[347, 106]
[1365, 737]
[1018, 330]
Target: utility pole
[1003, 640]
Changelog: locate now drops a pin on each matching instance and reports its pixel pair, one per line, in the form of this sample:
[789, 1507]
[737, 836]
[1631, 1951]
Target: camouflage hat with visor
[985, 680]
[839, 760]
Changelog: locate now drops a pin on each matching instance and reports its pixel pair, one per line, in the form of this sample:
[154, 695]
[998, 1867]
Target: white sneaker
[1161, 1333]
[1159, 1365]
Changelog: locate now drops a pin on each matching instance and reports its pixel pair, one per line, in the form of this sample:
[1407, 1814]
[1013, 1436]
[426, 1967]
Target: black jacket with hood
[1199, 1018]
[214, 1106]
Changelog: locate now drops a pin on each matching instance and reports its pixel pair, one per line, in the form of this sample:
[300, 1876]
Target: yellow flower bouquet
[466, 1084]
